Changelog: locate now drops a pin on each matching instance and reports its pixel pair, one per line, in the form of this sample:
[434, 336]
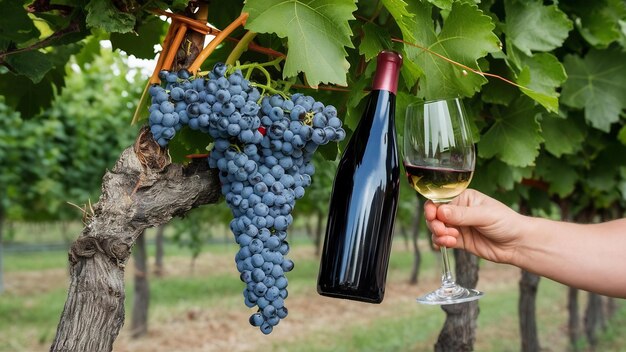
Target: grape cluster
[263, 148]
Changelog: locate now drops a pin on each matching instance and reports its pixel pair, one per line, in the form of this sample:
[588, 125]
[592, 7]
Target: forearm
[591, 257]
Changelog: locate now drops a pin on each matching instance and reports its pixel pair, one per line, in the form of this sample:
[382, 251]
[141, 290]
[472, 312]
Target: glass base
[450, 295]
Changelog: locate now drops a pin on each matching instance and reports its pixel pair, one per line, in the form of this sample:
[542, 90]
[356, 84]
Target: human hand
[476, 223]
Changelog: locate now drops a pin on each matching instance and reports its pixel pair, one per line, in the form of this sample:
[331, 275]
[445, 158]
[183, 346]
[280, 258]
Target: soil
[225, 329]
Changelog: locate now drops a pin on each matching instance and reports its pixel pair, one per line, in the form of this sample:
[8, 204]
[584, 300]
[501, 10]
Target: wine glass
[439, 158]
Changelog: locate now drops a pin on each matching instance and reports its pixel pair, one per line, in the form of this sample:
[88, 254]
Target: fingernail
[446, 212]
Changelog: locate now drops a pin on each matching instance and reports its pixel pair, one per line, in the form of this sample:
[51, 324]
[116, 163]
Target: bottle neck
[387, 70]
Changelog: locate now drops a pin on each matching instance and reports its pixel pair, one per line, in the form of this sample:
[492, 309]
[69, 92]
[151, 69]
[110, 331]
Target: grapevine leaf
[410, 72]
[596, 84]
[531, 26]
[465, 37]
[407, 21]
[403, 100]
[622, 39]
[622, 135]
[141, 43]
[32, 64]
[442, 4]
[180, 5]
[374, 40]
[329, 151]
[506, 176]
[560, 175]
[542, 74]
[515, 136]
[398, 10]
[104, 15]
[15, 25]
[608, 164]
[317, 32]
[221, 16]
[498, 91]
[562, 136]
[187, 142]
[598, 21]
[357, 93]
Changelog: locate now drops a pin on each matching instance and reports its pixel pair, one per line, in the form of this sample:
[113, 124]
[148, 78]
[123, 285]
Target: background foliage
[563, 127]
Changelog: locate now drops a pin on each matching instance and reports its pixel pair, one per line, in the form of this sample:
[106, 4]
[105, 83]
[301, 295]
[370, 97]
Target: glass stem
[447, 280]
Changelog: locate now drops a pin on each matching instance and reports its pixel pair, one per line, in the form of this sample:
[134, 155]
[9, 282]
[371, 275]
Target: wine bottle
[364, 200]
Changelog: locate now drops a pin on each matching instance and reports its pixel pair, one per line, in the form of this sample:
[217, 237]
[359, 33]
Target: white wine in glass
[439, 158]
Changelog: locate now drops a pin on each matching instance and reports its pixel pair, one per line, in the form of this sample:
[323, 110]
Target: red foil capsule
[387, 69]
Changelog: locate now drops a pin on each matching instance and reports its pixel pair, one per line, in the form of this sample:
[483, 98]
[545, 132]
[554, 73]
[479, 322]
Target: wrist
[523, 240]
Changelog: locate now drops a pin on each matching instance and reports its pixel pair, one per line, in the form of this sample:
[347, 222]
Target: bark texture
[459, 330]
[573, 322]
[594, 318]
[527, 311]
[158, 261]
[141, 300]
[144, 189]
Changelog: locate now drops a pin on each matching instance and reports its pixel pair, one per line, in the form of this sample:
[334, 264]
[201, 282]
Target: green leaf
[357, 95]
[622, 135]
[562, 136]
[104, 15]
[498, 91]
[515, 136]
[141, 44]
[531, 26]
[542, 73]
[410, 72]
[317, 32]
[15, 25]
[188, 141]
[398, 10]
[329, 151]
[406, 20]
[506, 176]
[598, 21]
[32, 64]
[606, 168]
[442, 4]
[560, 175]
[465, 37]
[596, 83]
[373, 41]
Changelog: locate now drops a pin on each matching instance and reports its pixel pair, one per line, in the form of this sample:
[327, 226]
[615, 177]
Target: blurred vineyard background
[196, 304]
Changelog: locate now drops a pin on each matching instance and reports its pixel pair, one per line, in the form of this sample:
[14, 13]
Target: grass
[29, 318]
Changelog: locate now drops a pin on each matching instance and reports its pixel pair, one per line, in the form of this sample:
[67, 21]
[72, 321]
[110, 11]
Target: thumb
[461, 215]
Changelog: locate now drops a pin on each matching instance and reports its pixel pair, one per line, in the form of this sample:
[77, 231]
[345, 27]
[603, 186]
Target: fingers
[430, 211]
[443, 235]
[461, 215]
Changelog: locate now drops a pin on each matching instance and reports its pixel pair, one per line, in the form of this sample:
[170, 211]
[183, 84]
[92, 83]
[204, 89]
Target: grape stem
[268, 78]
[240, 47]
[204, 54]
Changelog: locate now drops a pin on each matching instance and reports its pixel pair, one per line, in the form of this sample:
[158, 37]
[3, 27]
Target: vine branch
[241, 20]
[73, 27]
